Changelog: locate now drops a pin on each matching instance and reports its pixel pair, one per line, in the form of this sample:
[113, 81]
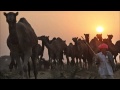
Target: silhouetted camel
[110, 37]
[90, 53]
[21, 40]
[94, 43]
[85, 51]
[78, 51]
[111, 47]
[99, 36]
[55, 48]
[70, 52]
[117, 45]
[86, 38]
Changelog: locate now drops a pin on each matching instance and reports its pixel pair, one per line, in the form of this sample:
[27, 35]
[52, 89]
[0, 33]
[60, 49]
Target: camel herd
[23, 45]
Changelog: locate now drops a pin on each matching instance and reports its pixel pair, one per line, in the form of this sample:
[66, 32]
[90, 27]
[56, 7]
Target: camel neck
[75, 43]
[87, 40]
[47, 44]
[42, 46]
[110, 40]
[12, 33]
[12, 29]
[100, 39]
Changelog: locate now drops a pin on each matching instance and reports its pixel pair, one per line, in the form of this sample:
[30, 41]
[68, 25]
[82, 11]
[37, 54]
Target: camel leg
[29, 69]
[80, 62]
[12, 63]
[27, 55]
[20, 69]
[85, 63]
[34, 65]
[40, 57]
[115, 61]
[68, 62]
[22, 57]
[51, 64]
[76, 61]
[61, 63]
[72, 62]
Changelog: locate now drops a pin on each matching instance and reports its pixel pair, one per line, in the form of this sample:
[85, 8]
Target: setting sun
[99, 29]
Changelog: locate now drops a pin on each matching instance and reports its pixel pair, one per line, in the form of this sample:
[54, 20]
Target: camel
[69, 52]
[84, 51]
[86, 38]
[110, 37]
[60, 46]
[77, 52]
[51, 49]
[99, 36]
[112, 48]
[117, 45]
[81, 51]
[90, 53]
[50, 41]
[21, 40]
[56, 48]
[94, 43]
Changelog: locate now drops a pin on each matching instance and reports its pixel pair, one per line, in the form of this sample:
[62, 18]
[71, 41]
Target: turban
[103, 45]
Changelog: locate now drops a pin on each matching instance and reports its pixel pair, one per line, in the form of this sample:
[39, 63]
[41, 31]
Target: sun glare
[99, 29]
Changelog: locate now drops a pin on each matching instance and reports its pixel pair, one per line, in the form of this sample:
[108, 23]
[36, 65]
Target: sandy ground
[66, 73]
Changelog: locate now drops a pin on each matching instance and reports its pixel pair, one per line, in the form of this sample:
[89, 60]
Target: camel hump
[23, 20]
[27, 30]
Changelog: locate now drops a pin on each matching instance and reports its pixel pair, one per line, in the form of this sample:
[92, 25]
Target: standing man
[105, 62]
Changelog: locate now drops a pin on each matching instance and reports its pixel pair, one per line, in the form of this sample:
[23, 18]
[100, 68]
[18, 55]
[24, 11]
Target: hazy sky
[65, 24]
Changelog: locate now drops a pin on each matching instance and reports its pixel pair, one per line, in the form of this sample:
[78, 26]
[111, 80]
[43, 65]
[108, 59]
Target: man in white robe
[105, 62]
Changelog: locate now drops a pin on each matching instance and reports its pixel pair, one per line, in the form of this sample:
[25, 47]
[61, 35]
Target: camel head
[54, 38]
[99, 35]
[110, 36]
[86, 35]
[75, 39]
[41, 37]
[11, 17]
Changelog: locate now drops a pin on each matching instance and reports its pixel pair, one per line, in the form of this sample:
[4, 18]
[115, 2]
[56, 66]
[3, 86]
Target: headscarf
[103, 45]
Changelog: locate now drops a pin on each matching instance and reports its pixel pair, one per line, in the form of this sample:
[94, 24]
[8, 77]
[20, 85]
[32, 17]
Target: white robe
[104, 67]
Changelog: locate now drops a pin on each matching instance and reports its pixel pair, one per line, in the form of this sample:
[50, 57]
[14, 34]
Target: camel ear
[5, 13]
[16, 13]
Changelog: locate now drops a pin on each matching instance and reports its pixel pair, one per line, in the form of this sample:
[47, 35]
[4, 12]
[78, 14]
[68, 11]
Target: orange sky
[65, 24]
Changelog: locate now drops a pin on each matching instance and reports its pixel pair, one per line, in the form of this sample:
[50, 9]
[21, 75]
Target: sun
[99, 29]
